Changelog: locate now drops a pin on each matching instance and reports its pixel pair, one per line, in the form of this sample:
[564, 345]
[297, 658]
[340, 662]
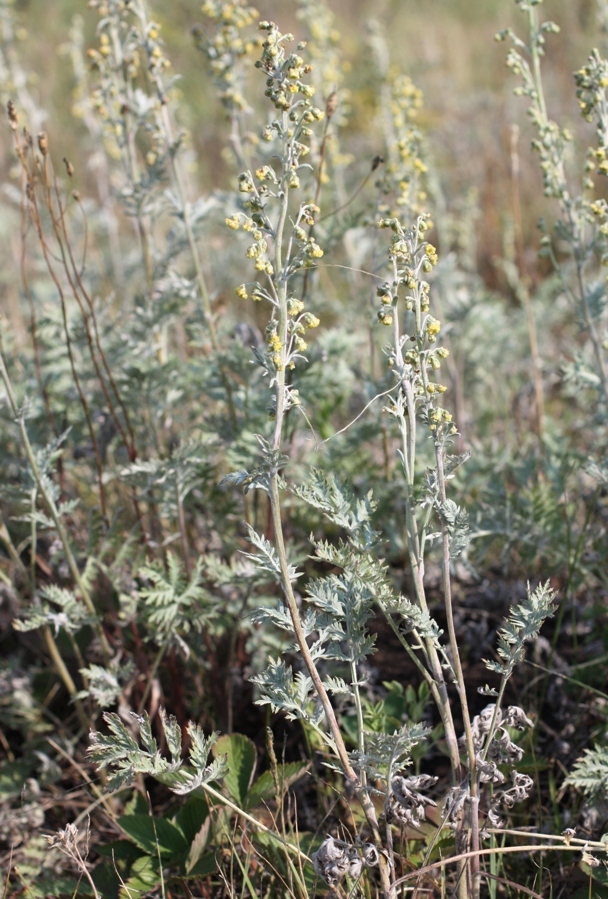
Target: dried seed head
[488, 772]
[406, 803]
[521, 789]
[336, 858]
[12, 115]
[65, 840]
[517, 718]
[43, 142]
[331, 105]
[68, 167]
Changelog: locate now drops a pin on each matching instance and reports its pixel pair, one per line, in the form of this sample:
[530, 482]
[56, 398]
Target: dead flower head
[406, 803]
[336, 858]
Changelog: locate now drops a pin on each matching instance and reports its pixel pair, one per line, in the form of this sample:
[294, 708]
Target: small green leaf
[241, 756]
[121, 850]
[263, 789]
[598, 892]
[137, 805]
[146, 832]
[205, 865]
[12, 778]
[197, 846]
[145, 732]
[599, 874]
[145, 877]
[191, 817]
[106, 880]
[394, 705]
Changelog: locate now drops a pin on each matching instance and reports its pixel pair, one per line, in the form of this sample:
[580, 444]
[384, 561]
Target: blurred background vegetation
[446, 46]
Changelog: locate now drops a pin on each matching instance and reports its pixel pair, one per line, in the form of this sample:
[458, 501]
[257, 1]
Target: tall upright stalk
[293, 250]
[413, 358]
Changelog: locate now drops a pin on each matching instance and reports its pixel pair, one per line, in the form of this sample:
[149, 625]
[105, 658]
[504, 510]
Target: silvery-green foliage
[119, 751]
[175, 605]
[278, 616]
[338, 606]
[45, 458]
[61, 611]
[346, 604]
[578, 373]
[387, 754]
[598, 471]
[456, 521]
[165, 394]
[338, 686]
[413, 618]
[295, 696]
[169, 481]
[244, 594]
[258, 477]
[590, 772]
[523, 624]
[337, 501]
[105, 685]
[266, 559]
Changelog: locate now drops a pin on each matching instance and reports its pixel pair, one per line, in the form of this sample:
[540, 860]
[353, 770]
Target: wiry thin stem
[52, 508]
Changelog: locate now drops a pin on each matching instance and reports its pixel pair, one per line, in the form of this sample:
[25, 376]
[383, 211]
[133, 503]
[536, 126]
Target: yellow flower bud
[294, 306]
[311, 321]
[433, 327]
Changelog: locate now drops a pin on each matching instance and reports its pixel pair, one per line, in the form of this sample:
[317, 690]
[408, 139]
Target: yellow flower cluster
[294, 306]
[313, 250]
[310, 320]
[227, 50]
[433, 327]
[402, 177]
[437, 417]
[275, 347]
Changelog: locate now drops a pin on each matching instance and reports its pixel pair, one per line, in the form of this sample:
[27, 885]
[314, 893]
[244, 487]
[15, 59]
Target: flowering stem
[275, 503]
[407, 427]
[579, 250]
